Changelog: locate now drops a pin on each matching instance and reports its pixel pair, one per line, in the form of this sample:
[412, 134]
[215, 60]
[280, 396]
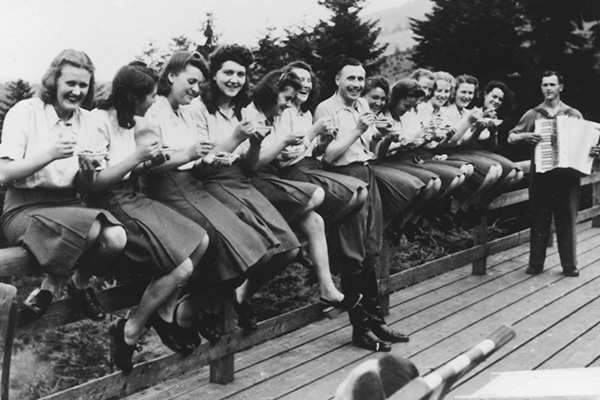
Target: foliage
[155, 57]
[514, 41]
[15, 91]
[323, 46]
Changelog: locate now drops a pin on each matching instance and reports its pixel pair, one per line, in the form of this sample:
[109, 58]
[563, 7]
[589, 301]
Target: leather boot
[360, 320]
[372, 305]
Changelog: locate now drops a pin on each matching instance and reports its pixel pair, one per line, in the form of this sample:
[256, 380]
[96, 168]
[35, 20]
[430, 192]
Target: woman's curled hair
[130, 86]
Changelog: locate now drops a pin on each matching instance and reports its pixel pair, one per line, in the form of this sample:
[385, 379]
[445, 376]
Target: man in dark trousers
[555, 192]
[360, 236]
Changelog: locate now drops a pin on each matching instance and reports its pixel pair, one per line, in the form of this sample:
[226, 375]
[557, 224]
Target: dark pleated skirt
[231, 186]
[289, 197]
[158, 238]
[339, 189]
[397, 189]
[51, 224]
[234, 245]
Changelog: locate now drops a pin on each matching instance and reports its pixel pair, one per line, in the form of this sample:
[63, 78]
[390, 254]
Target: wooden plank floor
[557, 321]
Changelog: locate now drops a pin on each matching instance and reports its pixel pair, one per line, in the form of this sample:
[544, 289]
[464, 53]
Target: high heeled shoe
[172, 335]
[38, 301]
[246, 318]
[332, 309]
[207, 327]
[86, 301]
[122, 353]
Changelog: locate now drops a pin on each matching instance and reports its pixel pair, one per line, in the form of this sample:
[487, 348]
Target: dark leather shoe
[172, 335]
[38, 301]
[246, 318]
[207, 327]
[533, 270]
[384, 332]
[367, 340]
[122, 353]
[573, 272]
[87, 301]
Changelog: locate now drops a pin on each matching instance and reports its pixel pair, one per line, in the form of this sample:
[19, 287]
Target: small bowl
[225, 158]
[264, 130]
[101, 155]
[382, 123]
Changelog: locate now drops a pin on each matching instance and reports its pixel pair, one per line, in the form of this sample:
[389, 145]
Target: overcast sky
[113, 32]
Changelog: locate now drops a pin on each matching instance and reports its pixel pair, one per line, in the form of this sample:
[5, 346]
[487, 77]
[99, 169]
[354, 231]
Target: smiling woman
[42, 211]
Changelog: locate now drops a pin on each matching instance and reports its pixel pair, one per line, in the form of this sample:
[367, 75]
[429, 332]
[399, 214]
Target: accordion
[566, 143]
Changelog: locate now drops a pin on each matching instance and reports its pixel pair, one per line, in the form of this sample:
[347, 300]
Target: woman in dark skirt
[296, 200]
[163, 245]
[239, 245]
[42, 211]
[301, 162]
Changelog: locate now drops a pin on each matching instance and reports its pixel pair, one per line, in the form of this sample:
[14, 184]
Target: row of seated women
[440, 132]
[182, 180]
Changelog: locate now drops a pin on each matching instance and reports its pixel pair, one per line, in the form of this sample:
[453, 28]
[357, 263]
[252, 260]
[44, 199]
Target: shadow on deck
[555, 318]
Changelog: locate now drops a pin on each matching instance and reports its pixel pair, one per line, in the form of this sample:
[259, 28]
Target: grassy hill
[395, 24]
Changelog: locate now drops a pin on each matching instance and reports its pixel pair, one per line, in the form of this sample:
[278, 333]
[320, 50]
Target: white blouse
[32, 126]
[112, 138]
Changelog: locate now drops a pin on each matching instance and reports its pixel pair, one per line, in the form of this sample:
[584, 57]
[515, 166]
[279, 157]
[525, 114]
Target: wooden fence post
[8, 324]
[222, 369]
[480, 237]
[596, 196]
[384, 276]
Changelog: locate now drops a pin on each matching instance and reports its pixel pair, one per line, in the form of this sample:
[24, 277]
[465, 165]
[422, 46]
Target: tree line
[509, 40]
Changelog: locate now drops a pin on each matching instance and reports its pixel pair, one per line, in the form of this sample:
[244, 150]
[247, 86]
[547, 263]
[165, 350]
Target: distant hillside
[395, 25]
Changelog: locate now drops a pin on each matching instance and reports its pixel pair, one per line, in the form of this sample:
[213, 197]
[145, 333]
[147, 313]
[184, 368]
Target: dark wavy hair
[177, 63]
[131, 85]
[311, 103]
[403, 89]
[266, 91]
[508, 100]
[210, 91]
[344, 62]
[76, 58]
[380, 82]
[471, 80]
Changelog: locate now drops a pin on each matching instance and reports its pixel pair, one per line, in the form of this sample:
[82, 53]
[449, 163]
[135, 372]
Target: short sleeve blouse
[176, 129]
[32, 126]
[119, 142]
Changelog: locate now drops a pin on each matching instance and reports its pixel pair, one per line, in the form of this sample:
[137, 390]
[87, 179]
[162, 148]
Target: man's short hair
[553, 73]
[347, 62]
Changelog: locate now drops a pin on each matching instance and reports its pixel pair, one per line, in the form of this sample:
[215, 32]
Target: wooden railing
[13, 319]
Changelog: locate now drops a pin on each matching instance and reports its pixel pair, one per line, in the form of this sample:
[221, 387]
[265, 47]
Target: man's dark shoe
[534, 270]
[384, 332]
[86, 301]
[367, 340]
[38, 301]
[172, 335]
[573, 272]
[122, 353]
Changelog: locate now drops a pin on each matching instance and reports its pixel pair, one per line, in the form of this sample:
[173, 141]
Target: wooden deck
[557, 321]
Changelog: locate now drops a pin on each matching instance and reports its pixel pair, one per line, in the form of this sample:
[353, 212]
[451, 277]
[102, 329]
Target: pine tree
[15, 91]
[514, 41]
[345, 35]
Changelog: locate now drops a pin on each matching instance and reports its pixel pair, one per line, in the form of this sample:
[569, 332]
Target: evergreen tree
[15, 91]
[211, 38]
[345, 35]
[514, 41]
